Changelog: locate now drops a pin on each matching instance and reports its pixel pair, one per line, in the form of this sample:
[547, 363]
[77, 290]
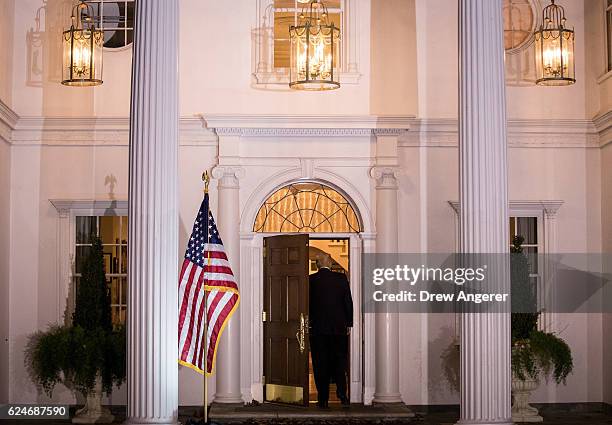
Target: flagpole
[206, 180]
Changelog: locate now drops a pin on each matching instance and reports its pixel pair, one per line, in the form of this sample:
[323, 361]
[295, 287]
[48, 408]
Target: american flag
[206, 275]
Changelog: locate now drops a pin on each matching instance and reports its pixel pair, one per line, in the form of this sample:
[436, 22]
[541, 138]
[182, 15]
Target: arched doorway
[297, 222]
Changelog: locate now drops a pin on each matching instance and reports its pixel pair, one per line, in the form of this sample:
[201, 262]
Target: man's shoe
[322, 405]
[345, 402]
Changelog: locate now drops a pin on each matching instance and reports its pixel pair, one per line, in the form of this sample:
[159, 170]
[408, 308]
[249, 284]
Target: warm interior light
[314, 50]
[82, 64]
[554, 48]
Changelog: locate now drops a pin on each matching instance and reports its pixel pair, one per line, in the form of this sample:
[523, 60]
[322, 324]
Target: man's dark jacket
[331, 305]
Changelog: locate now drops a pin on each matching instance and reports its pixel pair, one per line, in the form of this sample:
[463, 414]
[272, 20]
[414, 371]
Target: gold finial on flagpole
[206, 180]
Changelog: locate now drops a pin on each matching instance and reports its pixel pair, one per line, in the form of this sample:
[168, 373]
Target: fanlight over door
[307, 207]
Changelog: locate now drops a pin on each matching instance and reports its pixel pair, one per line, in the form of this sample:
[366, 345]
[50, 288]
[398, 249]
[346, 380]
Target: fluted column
[485, 337]
[228, 219]
[153, 217]
[386, 324]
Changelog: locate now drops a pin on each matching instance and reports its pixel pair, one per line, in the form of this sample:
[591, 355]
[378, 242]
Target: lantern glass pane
[82, 58]
[314, 57]
[555, 57]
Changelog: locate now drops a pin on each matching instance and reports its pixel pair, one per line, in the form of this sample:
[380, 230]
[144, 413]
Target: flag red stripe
[183, 268]
[218, 269]
[185, 351]
[217, 327]
[200, 315]
[219, 255]
[222, 283]
[185, 301]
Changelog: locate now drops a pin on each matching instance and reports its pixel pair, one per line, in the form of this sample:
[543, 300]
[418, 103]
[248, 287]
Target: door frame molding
[362, 337]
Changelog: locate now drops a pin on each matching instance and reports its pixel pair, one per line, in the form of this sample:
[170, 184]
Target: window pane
[124, 230]
[86, 227]
[110, 229]
[532, 258]
[123, 292]
[115, 291]
[80, 256]
[527, 228]
[123, 260]
[306, 207]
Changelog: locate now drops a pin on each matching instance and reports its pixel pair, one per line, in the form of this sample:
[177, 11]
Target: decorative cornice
[307, 125]
[8, 121]
[64, 206]
[549, 207]
[540, 133]
[205, 130]
[603, 124]
[99, 131]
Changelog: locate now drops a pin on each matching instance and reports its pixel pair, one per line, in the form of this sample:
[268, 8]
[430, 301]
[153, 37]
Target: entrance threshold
[360, 413]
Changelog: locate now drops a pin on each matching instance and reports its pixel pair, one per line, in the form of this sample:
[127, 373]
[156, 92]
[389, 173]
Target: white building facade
[387, 139]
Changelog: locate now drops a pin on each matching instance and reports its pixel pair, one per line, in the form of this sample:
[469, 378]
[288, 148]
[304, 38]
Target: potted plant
[89, 355]
[535, 353]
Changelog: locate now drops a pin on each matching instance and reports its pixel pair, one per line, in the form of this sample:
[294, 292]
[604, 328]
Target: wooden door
[286, 319]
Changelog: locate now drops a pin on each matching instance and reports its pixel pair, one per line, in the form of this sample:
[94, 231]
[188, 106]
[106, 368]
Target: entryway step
[269, 413]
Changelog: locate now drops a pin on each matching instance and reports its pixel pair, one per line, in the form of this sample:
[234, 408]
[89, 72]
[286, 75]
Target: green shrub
[76, 355]
[534, 352]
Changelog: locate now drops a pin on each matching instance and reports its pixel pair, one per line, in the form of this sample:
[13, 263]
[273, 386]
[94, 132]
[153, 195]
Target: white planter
[93, 412]
[521, 410]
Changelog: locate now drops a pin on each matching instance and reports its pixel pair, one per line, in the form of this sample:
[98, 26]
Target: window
[308, 208]
[116, 19]
[609, 33]
[527, 227]
[286, 13]
[112, 230]
[519, 24]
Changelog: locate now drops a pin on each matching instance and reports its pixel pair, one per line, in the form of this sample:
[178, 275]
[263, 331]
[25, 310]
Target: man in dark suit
[331, 320]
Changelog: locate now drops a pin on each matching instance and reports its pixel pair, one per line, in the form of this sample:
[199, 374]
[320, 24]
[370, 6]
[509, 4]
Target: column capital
[228, 175]
[385, 176]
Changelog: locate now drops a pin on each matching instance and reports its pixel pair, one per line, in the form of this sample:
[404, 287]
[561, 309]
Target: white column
[153, 217]
[228, 220]
[485, 337]
[386, 324]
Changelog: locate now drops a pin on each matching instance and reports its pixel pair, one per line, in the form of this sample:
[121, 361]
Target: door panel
[286, 319]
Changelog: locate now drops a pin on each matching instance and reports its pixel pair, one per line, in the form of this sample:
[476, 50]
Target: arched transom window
[308, 208]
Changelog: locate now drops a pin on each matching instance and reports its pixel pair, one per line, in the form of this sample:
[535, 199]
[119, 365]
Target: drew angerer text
[426, 296]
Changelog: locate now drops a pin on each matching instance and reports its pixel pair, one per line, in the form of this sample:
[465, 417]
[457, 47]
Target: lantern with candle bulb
[82, 62]
[554, 49]
[314, 51]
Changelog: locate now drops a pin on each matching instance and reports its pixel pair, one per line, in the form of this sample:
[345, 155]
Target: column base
[485, 422]
[152, 421]
[228, 399]
[387, 398]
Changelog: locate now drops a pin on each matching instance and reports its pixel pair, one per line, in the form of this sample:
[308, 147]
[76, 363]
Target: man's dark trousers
[329, 359]
[331, 315]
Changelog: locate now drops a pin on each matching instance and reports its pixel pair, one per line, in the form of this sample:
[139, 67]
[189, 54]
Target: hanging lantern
[314, 50]
[554, 47]
[82, 64]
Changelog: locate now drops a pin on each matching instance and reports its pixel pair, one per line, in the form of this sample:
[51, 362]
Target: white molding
[116, 207]
[603, 124]
[96, 131]
[549, 207]
[8, 121]
[204, 130]
[292, 121]
[537, 133]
